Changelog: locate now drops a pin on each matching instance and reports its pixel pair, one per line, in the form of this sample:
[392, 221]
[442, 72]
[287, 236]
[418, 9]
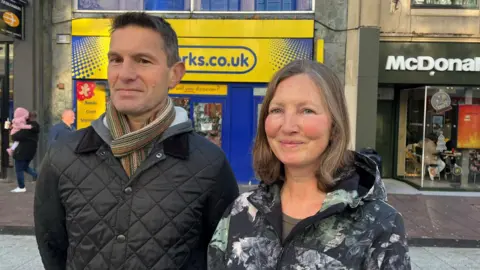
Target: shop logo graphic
[441, 102]
[10, 19]
[428, 63]
[218, 59]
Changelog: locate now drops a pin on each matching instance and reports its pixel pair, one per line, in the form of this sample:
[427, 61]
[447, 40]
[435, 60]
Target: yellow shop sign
[218, 59]
[212, 50]
[206, 59]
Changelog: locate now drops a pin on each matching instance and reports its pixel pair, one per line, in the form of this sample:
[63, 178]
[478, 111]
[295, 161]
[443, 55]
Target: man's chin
[129, 110]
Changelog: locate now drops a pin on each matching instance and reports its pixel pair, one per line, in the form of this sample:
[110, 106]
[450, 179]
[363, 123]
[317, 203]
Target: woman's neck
[301, 196]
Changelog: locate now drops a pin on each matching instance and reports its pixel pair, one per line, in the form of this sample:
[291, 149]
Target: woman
[319, 206]
[25, 151]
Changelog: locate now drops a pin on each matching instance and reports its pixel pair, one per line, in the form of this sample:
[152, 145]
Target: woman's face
[298, 123]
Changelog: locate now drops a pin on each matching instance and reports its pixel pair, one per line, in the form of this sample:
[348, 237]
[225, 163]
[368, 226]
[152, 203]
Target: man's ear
[176, 74]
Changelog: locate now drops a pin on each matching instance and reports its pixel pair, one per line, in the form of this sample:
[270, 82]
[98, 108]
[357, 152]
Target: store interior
[207, 117]
[439, 137]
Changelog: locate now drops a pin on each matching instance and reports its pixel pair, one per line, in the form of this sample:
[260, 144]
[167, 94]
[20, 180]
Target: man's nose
[127, 70]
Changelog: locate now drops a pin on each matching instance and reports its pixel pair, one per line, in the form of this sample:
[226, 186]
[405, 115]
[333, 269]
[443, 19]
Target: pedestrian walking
[19, 122]
[138, 189]
[25, 150]
[62, 128]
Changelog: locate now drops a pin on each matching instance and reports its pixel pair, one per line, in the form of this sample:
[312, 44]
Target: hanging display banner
[12, 21]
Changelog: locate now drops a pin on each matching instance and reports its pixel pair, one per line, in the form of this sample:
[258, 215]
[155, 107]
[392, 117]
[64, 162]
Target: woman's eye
[308, 111]
[274, 110]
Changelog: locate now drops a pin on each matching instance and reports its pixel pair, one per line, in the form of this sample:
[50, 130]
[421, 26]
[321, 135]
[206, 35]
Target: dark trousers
[22, 166]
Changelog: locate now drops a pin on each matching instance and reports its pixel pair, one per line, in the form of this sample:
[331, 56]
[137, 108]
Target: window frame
[193, 11]
[440, 6]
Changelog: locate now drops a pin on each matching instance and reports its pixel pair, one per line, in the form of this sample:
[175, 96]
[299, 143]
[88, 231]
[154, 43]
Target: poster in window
[91, 97]
[437, 122]
[468, 127]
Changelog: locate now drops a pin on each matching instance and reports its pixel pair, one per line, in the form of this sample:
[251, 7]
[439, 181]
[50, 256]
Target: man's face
[70, 117]
[138, 73]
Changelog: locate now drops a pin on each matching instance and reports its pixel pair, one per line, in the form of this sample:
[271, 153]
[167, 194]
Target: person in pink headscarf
[19, 122]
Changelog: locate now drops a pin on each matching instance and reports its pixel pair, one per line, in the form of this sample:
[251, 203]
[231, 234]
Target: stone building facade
[56, 84]
[43, 61]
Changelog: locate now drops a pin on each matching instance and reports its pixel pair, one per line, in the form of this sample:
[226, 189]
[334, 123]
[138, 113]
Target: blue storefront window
[203, 5]
[149, 5]
[220, 5]
[254, 5]
[275, 5]
[167, 5]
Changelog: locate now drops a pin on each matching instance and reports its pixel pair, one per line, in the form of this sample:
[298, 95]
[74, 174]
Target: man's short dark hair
[159, 25]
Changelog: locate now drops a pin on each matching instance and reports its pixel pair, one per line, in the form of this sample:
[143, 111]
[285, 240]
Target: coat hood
[355, 185]
[21, 113]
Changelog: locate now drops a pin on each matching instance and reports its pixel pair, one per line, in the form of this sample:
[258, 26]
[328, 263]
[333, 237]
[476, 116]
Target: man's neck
[66, 123]
[138, 122]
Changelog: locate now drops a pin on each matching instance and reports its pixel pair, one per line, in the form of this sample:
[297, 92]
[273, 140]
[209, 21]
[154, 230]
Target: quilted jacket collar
[176, 145]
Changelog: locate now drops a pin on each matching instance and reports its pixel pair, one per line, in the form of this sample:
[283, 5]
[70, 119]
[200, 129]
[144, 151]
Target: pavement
[432, 219]
[21, 253]
[16, 209]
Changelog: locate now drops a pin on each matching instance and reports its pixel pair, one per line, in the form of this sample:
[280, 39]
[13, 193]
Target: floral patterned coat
[355, 229]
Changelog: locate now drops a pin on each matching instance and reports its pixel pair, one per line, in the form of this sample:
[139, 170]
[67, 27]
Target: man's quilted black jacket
[90, 215]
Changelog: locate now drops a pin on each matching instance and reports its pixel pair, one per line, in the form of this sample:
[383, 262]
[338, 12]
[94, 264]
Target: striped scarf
[131, 147]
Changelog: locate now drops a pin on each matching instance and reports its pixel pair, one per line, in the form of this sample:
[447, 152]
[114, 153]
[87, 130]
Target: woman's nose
[290, 123]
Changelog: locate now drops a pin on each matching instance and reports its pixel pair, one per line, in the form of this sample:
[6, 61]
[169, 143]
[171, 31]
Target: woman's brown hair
[267, 166]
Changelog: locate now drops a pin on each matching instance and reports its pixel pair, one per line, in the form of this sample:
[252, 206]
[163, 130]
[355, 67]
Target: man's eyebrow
[111, 54]
[136, 55]
[143, 54]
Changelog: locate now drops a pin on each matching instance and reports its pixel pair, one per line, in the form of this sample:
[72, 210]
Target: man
[138, 189]
[63, 127]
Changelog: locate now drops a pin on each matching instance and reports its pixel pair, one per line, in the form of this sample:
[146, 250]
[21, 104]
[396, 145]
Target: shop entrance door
[208, 117]
[4, 139]
[385, 140]
[6, 104]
